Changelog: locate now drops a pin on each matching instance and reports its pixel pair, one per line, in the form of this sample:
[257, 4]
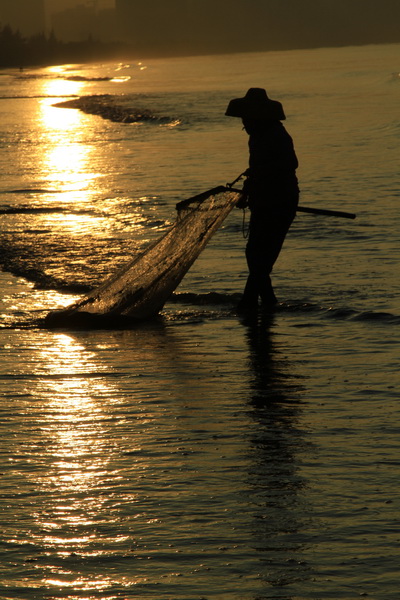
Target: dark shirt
[272, 164]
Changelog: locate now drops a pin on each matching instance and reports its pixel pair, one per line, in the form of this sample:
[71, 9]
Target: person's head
[255, 107]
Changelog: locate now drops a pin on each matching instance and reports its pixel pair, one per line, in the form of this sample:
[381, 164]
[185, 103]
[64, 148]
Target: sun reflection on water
[68, 159]
[72, 386]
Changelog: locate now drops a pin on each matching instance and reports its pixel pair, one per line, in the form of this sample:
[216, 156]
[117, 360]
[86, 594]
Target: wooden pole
[315, 211]
[329, 213]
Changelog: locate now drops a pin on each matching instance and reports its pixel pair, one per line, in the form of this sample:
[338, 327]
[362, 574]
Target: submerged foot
[268, 299]
[246, 306]
[269, 306]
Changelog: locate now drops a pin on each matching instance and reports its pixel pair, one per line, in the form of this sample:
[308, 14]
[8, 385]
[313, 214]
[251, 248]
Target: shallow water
[201, 455]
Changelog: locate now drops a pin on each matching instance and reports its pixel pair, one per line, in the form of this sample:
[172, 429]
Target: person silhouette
[271, 191]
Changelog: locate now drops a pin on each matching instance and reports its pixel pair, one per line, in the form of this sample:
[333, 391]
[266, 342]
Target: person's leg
[249, 299]
[251, 292]
[266, 237]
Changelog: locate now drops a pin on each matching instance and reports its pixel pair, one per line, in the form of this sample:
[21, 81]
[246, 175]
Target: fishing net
[140, 289]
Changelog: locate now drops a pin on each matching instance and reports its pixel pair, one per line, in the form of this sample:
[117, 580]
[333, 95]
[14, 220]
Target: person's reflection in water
[279, 507]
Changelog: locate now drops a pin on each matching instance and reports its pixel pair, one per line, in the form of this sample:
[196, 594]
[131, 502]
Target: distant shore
[43, 50]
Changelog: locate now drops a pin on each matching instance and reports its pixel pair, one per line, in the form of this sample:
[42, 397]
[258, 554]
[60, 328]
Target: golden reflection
[72, 385]
[58, 120]
[57, 89]
[71, 388]
[68, 159]
[65, 79]
[69, 162]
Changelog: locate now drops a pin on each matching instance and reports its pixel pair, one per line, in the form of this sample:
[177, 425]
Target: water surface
[201, 455]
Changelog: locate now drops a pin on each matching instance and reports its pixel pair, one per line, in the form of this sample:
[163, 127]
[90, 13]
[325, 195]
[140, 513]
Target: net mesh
[141, 288]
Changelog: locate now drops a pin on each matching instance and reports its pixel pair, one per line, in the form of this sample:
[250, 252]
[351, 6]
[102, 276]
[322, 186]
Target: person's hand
[243, 201]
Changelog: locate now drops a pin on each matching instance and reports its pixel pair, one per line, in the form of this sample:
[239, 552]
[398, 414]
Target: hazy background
[168, 27]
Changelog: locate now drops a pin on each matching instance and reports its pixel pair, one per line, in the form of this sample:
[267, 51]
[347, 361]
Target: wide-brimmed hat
[255, 105]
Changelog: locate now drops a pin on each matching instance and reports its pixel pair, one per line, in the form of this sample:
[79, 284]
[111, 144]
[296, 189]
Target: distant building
[187, 26]
[152, 25]
[84, 21]
[167, 27]
[26, 16]
[106, 25]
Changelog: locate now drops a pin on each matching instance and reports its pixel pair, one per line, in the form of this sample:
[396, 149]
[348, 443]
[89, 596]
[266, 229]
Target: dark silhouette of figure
[271, 190]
